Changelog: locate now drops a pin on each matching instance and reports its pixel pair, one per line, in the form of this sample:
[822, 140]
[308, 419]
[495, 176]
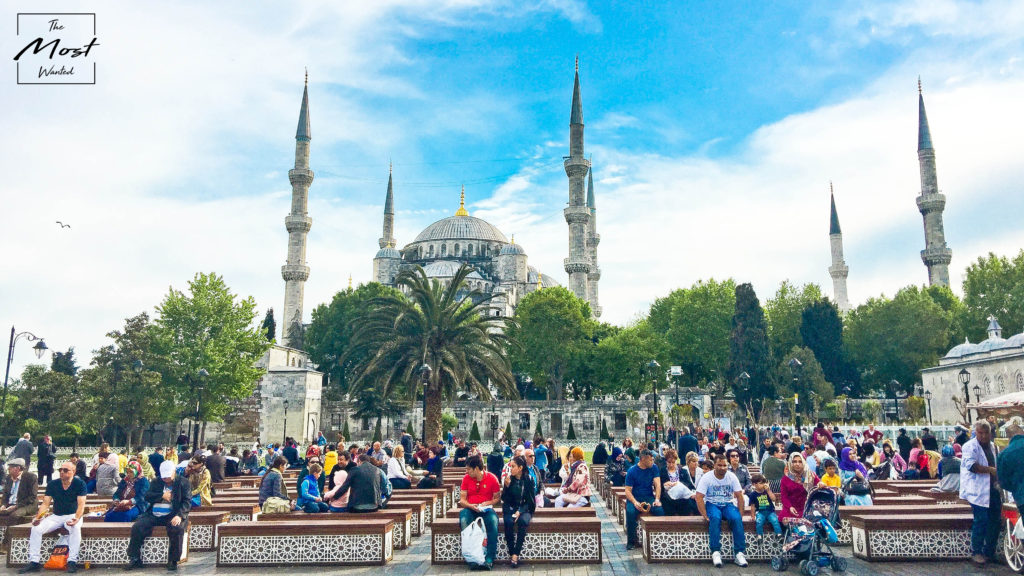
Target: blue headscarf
[616, 452]
[948, 451]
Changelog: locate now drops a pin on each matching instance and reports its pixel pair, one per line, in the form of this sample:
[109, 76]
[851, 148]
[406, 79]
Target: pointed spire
[577, 105]
[590, 188]
[389, 200]
[924, 135]
[834, 227]
[302, 132]
[462, 203]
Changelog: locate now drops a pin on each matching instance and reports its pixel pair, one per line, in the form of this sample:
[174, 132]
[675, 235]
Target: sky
[714, 130]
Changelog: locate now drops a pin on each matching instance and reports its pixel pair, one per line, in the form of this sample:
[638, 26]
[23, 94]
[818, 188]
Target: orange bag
[59, 556]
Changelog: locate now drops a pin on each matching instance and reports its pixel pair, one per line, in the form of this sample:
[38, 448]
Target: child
[912, 472]
[831, 477]
[762, 505]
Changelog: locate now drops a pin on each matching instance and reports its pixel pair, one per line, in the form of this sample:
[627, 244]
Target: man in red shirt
[480, 493]
[875, 435]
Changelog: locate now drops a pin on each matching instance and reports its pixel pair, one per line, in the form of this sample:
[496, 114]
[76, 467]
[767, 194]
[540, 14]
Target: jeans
[767, 516]
[561, 502]
[143, 527]
[122, 515]
[986, 526]
[314, 507]
[400, 483]
[49, 524]
[731, 514]
[336, 509]
[632, 513]
[467, 516]
[515, 530]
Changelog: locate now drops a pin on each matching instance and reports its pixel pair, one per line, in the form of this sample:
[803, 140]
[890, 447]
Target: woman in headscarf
[615, 471]
[797, 483]
[107, 477]
[949, 471]
[434, 477]
[600, 454]
[892, 456]
[130, 496]
[958, 450]
[575, 489]
[855, 479]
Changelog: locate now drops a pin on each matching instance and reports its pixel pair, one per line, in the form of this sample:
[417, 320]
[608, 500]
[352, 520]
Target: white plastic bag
[680, 491]
[1018, 529]
[474, 542]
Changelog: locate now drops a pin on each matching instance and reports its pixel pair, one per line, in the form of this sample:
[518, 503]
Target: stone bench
[103, 544]
[367, 542]
[226, 485]
[906, 511]
[237, 512]
[420, 512]
[203, 528]
[921, 537]
[402, 517]
[442, 503]
[581, 512]
[901, 500]
[549, 540]
[685, 539]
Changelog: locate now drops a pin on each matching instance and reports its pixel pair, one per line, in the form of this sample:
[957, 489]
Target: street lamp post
[652, 368]
[928, 399]
[199, 406]
[794, 366]
[894, 387]
[965, 378]
[284, 440]
[425, 371]
[39, 349]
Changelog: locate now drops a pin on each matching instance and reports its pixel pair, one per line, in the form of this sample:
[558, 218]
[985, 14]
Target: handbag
[680, 492]
[59, 556]
[474, 543]
[855, 487]
[275, 505]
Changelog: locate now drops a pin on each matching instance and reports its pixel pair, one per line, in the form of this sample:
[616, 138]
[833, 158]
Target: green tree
[345, 433]
[409, 430]
[955, 310]
[811, 379]
[572, 432]
[508, 432]
[604, 429]
[210, 329]
[895, 339]
[448, 423]
[994, 285]
[552, 328]
[538, 431]
[750, 352]
[619, 358]
[376, 431]
[784, 315]
[269, 326]
[47, 400]
[699, 328]
[65, 362]
[329, 338]
[443, 326]
[474, 433]
[821, 330]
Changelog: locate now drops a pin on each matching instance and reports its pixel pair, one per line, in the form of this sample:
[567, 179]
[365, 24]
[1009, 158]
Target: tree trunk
[202, 434]
[433, 415]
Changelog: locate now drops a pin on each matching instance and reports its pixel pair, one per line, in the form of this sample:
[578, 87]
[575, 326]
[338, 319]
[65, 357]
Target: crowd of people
[696, 472]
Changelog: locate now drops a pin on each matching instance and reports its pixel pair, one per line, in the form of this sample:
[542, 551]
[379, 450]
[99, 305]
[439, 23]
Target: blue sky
[715, 129]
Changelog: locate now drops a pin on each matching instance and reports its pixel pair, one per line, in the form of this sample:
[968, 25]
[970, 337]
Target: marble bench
[921, 537]
[366, 542]
[902, 511]
[553, 540]
[420, 512]
[203, 528]
[685, 539]
[401, 516]
[103, 544]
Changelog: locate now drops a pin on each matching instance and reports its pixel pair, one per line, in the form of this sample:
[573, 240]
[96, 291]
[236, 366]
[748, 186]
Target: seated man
[170, 499]
[68, 500]
[643, 494]
[19, 499]
[480, 493]
[717, 496]
[363, 484]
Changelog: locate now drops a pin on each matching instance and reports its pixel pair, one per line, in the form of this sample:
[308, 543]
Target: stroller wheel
[838, 564]
[779, 564]
[811, 568]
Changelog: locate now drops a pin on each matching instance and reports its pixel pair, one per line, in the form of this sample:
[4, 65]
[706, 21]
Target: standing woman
[575, 490]
[518, 506]
[45, 454]
[797, 483]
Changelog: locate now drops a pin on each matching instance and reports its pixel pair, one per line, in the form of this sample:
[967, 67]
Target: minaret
[577, 215]
[295, 272]
[593, 239]
[838, 270]
[388, 237]
[936, 255]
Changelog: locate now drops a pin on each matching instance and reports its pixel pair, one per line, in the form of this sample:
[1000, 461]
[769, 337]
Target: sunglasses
[66, 470]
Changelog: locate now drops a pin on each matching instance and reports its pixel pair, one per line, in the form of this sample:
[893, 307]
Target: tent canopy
[1011, 404]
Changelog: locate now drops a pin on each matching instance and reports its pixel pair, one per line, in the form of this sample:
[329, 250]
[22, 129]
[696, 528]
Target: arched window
[1000, 384]
[444, 250]
[1020, 382]
[455, 251]
[431, 252]
[469, 250]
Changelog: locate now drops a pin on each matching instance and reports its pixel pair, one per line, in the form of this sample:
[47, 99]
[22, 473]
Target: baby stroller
[807, 539]
[884, 471]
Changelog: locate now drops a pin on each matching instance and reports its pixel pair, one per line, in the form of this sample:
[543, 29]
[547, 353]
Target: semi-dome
[461, 228]
[512, 249]
[447, 269]
[961, 350]
[388, 252]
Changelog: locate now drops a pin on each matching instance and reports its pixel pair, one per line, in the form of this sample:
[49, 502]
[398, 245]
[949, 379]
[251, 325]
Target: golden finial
[349, 281]
[462, 203]
[540, 282]
[513, 238]
[919, 84]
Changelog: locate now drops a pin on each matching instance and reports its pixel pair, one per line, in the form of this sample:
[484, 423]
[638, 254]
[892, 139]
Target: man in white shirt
[979, 486]
[717, 497]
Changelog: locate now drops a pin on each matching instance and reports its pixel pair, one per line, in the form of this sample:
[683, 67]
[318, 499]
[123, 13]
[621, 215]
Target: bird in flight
[63, 225]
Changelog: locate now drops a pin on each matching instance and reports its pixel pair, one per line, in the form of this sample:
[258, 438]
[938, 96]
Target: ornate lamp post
[39, 349]
[425, 371]
[965, 378]
[199, 381]
[795, 367]
[928, 399]
[652, 369]
[284, 440]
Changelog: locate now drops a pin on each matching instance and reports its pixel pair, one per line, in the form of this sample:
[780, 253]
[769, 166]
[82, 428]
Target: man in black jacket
[170, 500]
[687, 443]
[364, 481]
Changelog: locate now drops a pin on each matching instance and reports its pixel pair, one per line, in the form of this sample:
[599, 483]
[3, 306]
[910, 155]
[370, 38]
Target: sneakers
[741, 560]
[979, 559]
[31, 567]
[133, 564]
[716, 559]
[71, 568]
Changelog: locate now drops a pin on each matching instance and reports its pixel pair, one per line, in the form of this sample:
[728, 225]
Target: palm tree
[443, 326]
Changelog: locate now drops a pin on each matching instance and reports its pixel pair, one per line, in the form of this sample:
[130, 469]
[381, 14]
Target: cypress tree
[604, 429]
[474, 433]
[750, 351]
[572, 432]
[376, 431]
[508, 432]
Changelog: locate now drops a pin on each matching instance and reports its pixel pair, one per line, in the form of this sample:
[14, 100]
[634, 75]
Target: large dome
[461, 228]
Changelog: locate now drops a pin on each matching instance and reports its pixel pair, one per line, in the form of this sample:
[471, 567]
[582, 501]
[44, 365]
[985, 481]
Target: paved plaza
[617, 560]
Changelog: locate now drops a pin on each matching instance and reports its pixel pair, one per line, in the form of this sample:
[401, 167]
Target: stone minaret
[593, 239]
[838, 270]
[295, 272]
[577, 214]
[936, 255]
[388, 237]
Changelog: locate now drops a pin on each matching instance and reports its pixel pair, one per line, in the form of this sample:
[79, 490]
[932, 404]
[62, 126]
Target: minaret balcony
[839, 271]
[295, 223]
[576, 166]
[927, 203]
[576, 266]
[936, 255]
[577, 214]
[300, 176]
[291, 272]
[595, 273]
